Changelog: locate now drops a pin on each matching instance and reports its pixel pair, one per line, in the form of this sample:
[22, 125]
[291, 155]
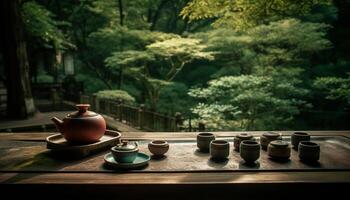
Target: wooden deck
[41, 121]
[18, 149]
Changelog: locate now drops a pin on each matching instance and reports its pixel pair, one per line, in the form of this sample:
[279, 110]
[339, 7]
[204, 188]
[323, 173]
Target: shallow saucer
[140, 161]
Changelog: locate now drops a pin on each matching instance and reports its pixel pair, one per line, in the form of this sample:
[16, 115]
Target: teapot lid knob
[83, 107]
[124, 142]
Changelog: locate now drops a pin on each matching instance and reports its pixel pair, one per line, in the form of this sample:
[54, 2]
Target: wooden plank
[175, 178]
[164, 135]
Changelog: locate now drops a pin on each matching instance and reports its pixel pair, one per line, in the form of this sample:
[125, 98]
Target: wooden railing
[138, 117]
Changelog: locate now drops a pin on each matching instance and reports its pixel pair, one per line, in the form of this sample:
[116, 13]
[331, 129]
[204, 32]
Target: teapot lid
[82, 111]
[125, 146]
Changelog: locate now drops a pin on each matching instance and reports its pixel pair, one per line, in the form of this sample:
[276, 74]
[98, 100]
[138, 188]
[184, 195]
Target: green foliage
[174, 98]
[44, 77]
[334, 87]
[40, 23]
[159, 64]
[115, 95]
[91, 84]
[287, 42]
[241, 14]
[248, 102]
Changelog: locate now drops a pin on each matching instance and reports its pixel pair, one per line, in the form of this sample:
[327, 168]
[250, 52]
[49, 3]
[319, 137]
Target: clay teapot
[81, 126]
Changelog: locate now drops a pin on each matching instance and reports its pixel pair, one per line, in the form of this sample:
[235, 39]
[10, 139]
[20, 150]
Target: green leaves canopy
[242, 14]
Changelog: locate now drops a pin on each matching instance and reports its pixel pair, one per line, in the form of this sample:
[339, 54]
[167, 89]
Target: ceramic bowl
[239, 138]
[266, 138]
[203, 141]
[297, 137]
[158, 147]
[219, 149]
[249, 151]
[279, 150]
[309, 151]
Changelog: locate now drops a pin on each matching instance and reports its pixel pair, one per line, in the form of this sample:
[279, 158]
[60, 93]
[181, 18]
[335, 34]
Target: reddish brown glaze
[82, 126]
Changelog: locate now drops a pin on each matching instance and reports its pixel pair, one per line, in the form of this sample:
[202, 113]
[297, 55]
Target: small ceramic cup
[249, 151]
[309, 151]
[219, 149]
[203, 141]
[266, 138]
[124, 152]
[297, 137]
[279, 150]
[158, 147]
[239, 138]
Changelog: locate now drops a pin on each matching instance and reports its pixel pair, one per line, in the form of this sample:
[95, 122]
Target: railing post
[120, 108]
[189, 123]
[141, 116]
[81, 97]
[201, 126]
[108, 106]
[55, 98]
[178, 120]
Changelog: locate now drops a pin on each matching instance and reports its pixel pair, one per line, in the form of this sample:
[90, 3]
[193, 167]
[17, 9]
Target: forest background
[231, 64]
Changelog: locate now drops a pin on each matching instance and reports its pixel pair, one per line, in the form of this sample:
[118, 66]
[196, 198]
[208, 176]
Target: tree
[249, 102]
[159, 64]
[334, 87]
[241, 14]
[20, 102]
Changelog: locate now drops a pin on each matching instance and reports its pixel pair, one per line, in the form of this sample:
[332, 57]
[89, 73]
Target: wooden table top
[21, 142]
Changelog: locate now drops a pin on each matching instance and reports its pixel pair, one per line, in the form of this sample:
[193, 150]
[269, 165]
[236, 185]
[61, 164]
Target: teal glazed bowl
[125, 153]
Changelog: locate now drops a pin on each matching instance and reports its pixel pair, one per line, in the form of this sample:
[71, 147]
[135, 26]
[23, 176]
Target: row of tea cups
[250, 149]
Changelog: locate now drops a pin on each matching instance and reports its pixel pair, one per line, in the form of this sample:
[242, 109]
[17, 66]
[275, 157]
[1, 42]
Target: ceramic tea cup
[241, 137]
[297, 137]
[249, 151]
[124, 152]
[279, 150]
[158, 147]
[266, 138]
[219, 149]
[203, 141]
[309, 151]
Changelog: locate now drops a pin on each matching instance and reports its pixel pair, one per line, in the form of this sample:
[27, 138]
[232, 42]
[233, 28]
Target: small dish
[140, 161]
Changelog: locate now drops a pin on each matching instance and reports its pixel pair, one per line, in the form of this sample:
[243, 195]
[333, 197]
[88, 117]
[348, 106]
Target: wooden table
[210, 185]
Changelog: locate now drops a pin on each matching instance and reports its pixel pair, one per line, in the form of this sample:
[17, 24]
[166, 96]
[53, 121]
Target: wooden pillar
[20, 103]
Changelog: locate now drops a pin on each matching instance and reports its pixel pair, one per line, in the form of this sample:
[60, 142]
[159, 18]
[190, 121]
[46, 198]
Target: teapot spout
[58, 123]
